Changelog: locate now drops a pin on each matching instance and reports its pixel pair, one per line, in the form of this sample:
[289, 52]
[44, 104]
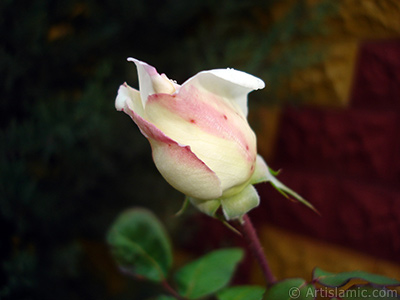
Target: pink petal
[217, 134]
[180, 167]
[206, 111]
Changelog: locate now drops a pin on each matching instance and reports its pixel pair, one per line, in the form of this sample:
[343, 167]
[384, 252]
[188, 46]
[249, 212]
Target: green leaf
[208, 274]
[140, 244]
[244, 292]
[368, 292]
[294, 288]
[340, 279]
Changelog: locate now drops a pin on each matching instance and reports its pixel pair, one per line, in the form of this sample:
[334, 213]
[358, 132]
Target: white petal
[239, 77]
[231, 84]
[150, 82]
[128, 98]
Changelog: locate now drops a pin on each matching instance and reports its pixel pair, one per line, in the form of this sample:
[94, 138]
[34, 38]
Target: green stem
[250, 235]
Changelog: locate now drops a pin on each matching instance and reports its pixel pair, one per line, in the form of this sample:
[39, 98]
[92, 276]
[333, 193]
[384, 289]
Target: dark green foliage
[140, 245]
[245, 292]
[290, 289]
[68, 162]
[208, 274]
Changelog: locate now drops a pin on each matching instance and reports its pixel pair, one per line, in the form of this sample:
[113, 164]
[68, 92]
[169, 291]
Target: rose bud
[201, 141]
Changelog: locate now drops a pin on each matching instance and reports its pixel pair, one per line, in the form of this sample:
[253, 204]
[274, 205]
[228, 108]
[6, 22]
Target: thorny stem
[250, 235]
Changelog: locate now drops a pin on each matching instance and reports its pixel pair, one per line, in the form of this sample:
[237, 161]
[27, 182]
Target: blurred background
[69, 163]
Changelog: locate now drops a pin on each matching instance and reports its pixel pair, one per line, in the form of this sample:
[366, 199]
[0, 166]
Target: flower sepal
[263, 173]
[233, 206]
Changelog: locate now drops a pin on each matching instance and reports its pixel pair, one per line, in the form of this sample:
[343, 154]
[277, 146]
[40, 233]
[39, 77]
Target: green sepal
[209, 207]
[236, 206]
[233, 207]
[184, 207]
[289, 193]
[273, 172]
[229, 226]
[263, 173]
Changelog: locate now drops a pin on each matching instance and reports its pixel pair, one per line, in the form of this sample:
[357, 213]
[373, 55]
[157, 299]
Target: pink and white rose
[201, 141]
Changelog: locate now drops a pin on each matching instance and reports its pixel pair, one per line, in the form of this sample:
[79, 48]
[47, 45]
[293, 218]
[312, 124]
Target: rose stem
[254, 244]
[170, 290]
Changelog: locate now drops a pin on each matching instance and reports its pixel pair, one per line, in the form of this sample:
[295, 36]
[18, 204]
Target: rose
[201, 141]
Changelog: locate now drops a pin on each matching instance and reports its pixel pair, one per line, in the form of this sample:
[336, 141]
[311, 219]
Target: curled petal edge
[128, 99]
[231, 84]
[150, 82]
